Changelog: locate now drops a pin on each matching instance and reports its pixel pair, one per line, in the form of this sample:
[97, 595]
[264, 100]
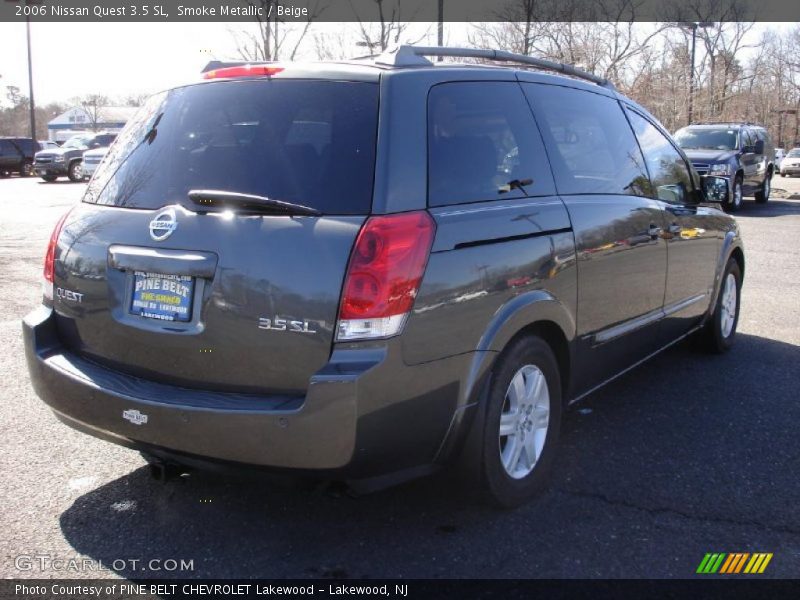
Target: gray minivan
[367, 270]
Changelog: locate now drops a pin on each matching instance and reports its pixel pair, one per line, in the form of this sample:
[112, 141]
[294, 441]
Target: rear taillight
[243, 71]
[50, 258]
[383, 277]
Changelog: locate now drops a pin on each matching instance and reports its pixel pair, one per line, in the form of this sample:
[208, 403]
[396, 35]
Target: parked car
[16, 155]
[47, 145]
[91, 160]
[68, 159]
[742, 153]
[384, 298]
[791, 163]
[779, 154]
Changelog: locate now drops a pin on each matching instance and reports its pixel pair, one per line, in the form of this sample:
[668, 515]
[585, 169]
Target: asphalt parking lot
[686, 455]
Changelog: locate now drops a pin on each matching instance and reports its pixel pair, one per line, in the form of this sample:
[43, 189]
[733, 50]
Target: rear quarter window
[310, 142]
[483, 144]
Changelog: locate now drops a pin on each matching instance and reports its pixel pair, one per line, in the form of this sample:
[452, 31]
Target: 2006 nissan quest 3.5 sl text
[363, 271]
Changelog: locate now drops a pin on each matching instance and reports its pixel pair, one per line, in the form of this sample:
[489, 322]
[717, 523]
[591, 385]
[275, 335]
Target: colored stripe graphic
[711, 562]
[740, 564]
[727, 564]
[703, 563]
[765, 563]
[734, 563]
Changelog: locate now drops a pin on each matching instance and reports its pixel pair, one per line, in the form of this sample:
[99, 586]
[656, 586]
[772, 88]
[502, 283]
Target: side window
[591, 145]
[671, 178]
[747, 139]
[483, 144]
[6, 147]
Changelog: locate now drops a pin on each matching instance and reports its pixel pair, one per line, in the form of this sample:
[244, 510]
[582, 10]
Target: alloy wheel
[728, 305]
[524, 421]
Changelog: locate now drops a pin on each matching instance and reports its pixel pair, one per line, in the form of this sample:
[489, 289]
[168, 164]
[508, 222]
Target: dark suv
[67, 160]
[364, 271]
[16, 155]
[742, 153]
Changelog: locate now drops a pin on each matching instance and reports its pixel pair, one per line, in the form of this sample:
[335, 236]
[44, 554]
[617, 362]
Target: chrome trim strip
[681, 304]
[615, 331]
[477, 209]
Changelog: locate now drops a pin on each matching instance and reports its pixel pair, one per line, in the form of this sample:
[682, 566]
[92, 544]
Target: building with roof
[79, 120]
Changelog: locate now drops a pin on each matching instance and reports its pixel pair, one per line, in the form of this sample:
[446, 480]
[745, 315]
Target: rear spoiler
[222, 64]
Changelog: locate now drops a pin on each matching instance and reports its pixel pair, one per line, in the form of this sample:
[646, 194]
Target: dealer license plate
[162, 297]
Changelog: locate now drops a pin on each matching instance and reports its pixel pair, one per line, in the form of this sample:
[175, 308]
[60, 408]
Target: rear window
[307, 142]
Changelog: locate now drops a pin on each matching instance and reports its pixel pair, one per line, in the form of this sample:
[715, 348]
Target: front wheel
[735, 203]
[75, 172]
[522, 422]
[49, 178]
[719, 332]
[763, 194]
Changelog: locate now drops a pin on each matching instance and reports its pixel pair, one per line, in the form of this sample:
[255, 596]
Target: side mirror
[759, 147]
[715, 189]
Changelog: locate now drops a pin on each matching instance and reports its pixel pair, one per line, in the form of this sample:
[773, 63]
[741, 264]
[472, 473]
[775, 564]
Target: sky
[121, 59]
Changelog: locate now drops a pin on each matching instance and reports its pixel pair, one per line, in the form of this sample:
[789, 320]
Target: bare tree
[388, 30]
[94, 107]
[272, 38]
[607, 47]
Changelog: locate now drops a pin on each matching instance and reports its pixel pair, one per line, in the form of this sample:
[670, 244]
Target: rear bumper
[364, 414]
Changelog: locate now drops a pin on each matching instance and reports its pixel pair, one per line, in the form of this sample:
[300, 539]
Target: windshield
[77, 142]
[794, 153]
[707, 139]
[300, 141]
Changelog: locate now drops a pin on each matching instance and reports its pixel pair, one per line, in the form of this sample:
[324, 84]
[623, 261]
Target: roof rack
[407, 56]
[729, 122]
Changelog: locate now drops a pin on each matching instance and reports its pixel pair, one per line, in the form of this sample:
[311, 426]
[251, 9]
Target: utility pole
[693, 26]
[440, 36]
[30, 80]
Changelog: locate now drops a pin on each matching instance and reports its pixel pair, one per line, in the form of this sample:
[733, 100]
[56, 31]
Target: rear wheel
[522, 422]
[75, 172]
[27, 169]
[735, 203]
[763, 194]
[719, 332]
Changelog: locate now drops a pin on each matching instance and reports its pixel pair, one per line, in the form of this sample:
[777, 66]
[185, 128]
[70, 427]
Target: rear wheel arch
[553, 336]
[738, 255]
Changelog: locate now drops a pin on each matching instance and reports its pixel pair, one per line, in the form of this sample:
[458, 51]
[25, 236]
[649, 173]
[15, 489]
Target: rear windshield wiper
[249, 203]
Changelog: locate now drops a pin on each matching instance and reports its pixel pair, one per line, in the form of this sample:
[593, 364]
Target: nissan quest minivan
[364, 271]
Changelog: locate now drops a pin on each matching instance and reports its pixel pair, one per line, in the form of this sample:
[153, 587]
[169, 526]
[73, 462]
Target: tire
[75, 172]
[783, 174]
[737, 195]
[49, 178]
[504, 480]
[27, 169]
[719, 332]
[762, 195]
